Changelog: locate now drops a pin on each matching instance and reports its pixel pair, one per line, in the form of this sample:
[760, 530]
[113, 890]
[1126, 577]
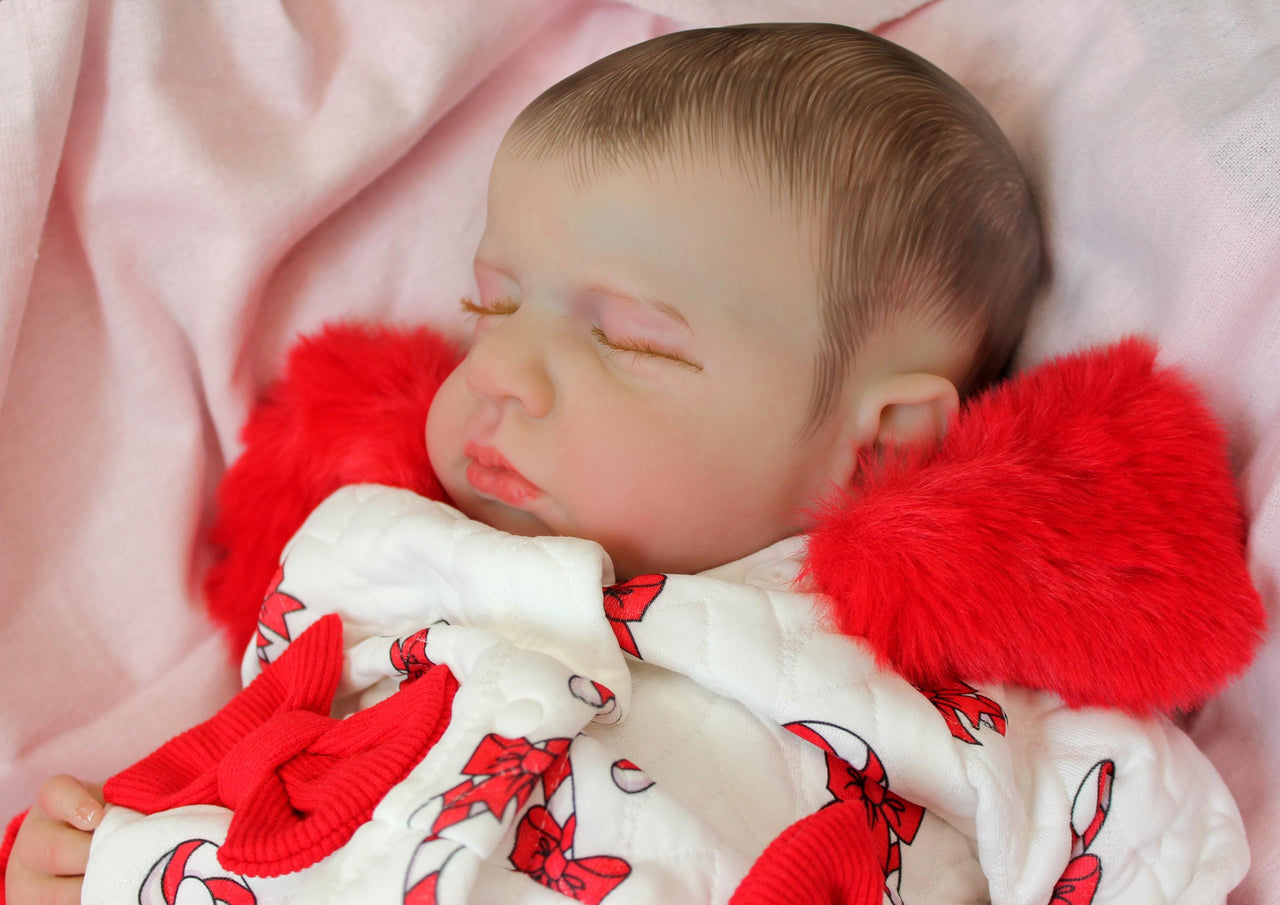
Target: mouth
[492, 476]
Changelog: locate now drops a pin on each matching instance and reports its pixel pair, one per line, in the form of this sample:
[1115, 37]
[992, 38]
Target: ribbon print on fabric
[409, 656]
[273, 629]
[626, 602]
[504, 770]
[544, 852]
[892, 820]
[1079, 882]
[956, 700]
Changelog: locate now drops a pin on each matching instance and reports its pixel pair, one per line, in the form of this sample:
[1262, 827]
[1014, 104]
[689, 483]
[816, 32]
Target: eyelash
[504, 305]
[498, 306]
[636, 347]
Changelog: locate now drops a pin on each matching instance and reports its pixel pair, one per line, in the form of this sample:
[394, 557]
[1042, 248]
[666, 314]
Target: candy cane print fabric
[645, 740]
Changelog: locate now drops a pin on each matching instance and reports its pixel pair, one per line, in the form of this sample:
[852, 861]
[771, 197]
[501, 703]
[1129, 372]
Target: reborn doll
[733, 284]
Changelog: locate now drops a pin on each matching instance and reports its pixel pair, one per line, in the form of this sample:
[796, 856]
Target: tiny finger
[65, 851]
[50, 848]
[22, 886]
[66, 799]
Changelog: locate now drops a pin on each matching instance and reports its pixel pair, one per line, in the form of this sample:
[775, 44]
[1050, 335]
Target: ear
[907, 408]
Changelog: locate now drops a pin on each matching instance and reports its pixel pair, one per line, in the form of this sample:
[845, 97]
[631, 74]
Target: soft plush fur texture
[350, 408]
[1077, 531]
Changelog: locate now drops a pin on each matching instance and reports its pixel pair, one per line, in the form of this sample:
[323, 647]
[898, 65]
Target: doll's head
[715, 266]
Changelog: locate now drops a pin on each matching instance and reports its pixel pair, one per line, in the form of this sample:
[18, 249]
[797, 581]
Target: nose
[508, 362]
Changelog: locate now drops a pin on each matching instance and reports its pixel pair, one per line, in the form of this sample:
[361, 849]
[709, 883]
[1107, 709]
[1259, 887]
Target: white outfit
[743, 713]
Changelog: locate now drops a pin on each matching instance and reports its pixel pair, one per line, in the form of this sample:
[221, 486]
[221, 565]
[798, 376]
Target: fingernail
[86, 814]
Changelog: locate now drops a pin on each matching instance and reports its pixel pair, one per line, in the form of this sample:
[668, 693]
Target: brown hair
[927, 210]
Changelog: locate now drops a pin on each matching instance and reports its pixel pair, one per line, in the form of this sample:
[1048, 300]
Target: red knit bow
[300, 782]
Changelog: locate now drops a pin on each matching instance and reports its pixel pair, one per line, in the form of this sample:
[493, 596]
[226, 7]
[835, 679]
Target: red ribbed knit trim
[185, 769]
[311, 804]
[300, 782]
[828, 858]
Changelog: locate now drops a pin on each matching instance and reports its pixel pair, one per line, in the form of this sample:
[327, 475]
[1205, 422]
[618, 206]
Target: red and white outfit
[572, 768]
[438, 712]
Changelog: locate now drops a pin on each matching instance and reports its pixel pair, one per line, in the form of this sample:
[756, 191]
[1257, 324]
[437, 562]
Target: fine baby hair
[922, 208]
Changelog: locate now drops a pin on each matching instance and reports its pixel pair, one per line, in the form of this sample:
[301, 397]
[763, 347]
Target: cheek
[600, 457]
[444, 425]
[639, 473]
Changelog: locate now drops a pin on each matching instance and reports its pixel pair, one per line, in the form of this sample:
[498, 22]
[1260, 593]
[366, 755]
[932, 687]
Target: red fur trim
[1077, 531]
[351, 407]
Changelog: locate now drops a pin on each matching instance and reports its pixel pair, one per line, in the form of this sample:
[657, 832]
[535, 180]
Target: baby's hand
[51, 850]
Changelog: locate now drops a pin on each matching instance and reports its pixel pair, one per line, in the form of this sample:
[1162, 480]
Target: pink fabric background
[184, 187]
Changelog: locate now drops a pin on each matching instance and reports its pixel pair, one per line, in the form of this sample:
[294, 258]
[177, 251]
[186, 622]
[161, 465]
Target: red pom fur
[1077, 531]
[350, 408]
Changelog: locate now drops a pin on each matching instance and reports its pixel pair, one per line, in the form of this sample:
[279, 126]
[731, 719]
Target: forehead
[698, 230]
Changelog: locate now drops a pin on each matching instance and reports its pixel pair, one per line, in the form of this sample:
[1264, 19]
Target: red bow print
[891, 819]
[626, 602]
[275, 606]
[511, 768]
[300, 782]
[543, 851]
[957, 698]
[889, 816]
[409, 656]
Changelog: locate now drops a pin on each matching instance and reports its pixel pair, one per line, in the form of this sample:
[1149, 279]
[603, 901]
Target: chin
[503, 517]
[628, 566]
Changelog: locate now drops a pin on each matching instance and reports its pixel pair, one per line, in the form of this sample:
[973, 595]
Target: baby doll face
[641, 365]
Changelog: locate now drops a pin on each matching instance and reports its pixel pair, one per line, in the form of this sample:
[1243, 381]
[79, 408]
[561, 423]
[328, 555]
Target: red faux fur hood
[1077, 531]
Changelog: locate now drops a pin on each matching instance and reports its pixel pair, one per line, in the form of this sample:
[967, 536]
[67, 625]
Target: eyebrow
[641, 300]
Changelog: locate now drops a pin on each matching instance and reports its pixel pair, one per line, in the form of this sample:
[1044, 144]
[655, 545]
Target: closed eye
[639, 347]
[499, 306]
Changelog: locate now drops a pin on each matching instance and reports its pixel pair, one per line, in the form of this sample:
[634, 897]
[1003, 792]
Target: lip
[492, 476]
